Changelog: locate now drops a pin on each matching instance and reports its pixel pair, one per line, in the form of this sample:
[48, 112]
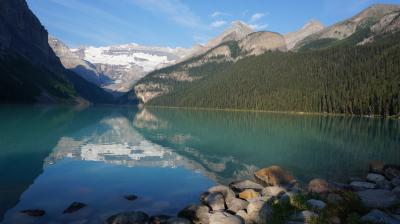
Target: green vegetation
[362, 80]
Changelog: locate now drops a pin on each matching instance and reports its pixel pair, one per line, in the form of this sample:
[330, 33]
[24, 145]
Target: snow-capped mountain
[116, 68]
[127, 63]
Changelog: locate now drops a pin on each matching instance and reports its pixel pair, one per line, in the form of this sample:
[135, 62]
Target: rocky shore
[274, 196]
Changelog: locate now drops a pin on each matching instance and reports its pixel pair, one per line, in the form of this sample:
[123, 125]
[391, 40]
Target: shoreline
[299, 113]
[274, 196]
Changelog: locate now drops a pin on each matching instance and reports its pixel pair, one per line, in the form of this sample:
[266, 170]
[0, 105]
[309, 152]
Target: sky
[180, 23]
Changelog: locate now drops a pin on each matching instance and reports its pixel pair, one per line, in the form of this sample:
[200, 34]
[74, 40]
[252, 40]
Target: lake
[53, 156]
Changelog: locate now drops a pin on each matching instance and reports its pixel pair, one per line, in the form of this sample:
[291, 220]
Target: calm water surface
[53, 156]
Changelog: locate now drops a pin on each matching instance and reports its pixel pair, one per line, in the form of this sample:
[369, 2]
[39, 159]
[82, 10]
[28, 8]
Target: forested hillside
[342, 78]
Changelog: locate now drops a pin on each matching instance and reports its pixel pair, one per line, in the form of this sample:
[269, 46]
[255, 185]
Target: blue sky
[180, 23]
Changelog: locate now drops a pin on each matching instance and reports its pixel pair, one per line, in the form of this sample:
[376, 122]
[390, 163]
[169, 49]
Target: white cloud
[258, 26]
[175, 10]
[218, 14]
[218, 23]
[257, 16]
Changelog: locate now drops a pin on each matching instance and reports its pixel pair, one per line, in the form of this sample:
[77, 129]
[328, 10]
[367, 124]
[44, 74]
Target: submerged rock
[249, 194]
[75, 206]
[378, 198]
[273, 175]
[376, 216]
[240, 186]
[34, 212]
[318, 186]
[128, 218]
[131, 197]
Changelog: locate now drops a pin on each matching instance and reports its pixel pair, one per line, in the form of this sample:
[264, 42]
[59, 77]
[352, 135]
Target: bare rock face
[73, 62]
[21, 32]
[259, 42]
[148, 91]
[236, 32]
[308, 29]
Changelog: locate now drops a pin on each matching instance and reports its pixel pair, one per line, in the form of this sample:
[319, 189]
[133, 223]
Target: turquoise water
[52, 156]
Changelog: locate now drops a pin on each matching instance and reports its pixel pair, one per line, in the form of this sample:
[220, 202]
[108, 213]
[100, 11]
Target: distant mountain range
[350, 67]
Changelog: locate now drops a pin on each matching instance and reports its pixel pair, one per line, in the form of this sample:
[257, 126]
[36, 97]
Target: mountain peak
[313, 23]
[237, 31]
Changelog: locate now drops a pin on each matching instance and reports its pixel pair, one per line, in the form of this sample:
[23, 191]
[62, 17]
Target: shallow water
[53, 156]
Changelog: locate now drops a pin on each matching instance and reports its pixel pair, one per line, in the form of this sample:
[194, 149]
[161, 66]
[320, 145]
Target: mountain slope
[350, 76]
[351, 31]
[308, 29]
[29, 70]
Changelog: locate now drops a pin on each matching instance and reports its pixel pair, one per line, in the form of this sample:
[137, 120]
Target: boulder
[376, 178]
[196, 213]
[273, 175]
[215, 201]
[75, 206]
[249, 194]
[304, 216]
[376, 167]
[259, 212]
[159, 219]
[224, 190]
[131, 197]
[318, 186]
[376, 216]
[34, 212]
[316, 204]
[392, 171]
[273, 191]
[128, 218]
[361, 185]
[237, 204]
[178, 221]
[225, 218]
[243, 214]
[378, 198]
[240, 186]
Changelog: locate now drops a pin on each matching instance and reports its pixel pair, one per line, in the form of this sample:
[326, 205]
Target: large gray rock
[259, 212]
[361, 185]
[215, 200]
[316, 204]
[273, 191]
[224, 190]
[376, 216]
[378, 198]
[128, 218]
[225, 218]
[237, 204]
[240, 186]
[376, 178]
